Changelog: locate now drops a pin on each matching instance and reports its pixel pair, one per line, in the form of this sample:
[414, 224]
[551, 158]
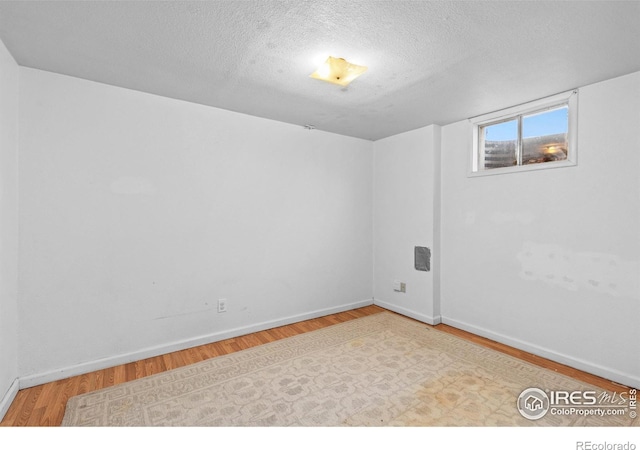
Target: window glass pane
[544, 136]
[500, 141]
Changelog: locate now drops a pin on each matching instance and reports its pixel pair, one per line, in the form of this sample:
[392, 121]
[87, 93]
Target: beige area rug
[379, 370]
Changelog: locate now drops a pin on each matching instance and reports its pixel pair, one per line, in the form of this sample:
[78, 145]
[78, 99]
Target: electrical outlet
[399, 286]
[222, 305]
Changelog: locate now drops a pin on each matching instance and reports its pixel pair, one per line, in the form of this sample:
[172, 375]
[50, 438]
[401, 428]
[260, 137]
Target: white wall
[548, 260]
[139, 212]
[8, 228]
[406, 210]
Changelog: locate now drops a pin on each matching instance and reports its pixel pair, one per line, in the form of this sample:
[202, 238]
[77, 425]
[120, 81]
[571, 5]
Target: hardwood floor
[44, 405]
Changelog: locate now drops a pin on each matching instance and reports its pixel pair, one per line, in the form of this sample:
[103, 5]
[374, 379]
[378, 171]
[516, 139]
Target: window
[537, 135]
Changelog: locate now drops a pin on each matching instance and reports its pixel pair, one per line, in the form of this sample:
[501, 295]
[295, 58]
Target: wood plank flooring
[44, 405]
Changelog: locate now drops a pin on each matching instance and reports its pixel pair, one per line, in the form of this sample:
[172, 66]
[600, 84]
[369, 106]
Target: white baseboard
[103, 363]
[625, 379]
[431, 320]
[8, 397]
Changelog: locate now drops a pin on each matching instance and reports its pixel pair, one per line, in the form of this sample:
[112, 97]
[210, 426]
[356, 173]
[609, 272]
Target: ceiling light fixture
[338, 71]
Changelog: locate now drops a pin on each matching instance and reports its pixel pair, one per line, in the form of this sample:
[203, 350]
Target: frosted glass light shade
[338, 71]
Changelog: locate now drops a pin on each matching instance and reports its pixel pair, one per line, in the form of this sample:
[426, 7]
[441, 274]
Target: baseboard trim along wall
[8, 397]
[604, 372]
[431, 320]
[116, 360]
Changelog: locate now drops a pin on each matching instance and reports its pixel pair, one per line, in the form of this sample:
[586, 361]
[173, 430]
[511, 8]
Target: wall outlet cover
[399, 286]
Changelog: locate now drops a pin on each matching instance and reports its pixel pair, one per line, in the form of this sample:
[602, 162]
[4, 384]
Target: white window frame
[569, 98]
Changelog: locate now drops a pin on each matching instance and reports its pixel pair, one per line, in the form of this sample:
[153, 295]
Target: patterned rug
[379, 370]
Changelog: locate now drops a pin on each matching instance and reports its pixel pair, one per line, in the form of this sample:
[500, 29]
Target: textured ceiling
[429, 62]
